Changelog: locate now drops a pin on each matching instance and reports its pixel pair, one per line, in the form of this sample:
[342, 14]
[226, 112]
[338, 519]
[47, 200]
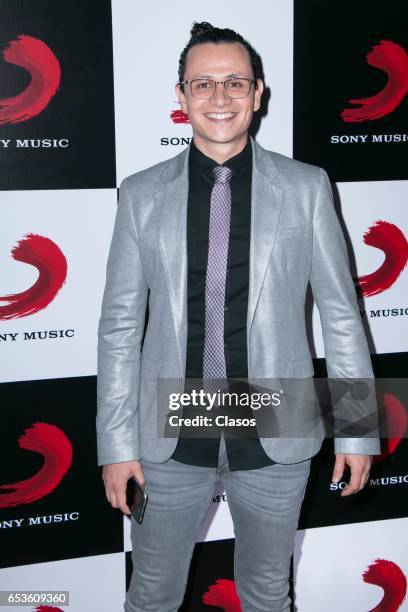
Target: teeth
[220, 115]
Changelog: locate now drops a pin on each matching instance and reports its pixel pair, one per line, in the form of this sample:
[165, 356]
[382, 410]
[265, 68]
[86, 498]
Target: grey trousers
[264, 504]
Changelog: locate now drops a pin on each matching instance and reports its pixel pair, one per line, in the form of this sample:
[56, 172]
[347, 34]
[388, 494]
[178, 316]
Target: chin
[223, 137]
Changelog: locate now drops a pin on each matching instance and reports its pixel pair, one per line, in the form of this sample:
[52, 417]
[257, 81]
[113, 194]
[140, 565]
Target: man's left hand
[360, 471]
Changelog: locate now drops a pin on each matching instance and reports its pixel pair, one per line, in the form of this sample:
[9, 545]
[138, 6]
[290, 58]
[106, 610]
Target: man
[222, 241]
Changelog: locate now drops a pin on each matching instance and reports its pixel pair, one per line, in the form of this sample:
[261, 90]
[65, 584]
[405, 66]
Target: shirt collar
[206, 164]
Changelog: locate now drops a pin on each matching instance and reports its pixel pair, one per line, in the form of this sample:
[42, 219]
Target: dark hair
[204, 32]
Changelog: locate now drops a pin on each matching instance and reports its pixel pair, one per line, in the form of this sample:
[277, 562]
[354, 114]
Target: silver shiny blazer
[296, 238]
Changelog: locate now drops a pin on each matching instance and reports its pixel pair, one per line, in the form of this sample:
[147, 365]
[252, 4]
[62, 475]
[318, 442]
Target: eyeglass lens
[235, 88]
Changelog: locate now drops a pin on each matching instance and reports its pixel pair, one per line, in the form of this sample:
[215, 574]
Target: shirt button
[225, 308]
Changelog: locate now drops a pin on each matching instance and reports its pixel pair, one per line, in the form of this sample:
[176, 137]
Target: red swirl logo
[178, 116]
[50, 261]
[396, 425]
[56, 449]
[392, 59]
[223, 594]
[37, 58]
[388, 238]
[391, 579]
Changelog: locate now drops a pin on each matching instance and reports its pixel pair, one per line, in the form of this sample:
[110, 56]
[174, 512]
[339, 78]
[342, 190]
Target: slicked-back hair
[204, 32]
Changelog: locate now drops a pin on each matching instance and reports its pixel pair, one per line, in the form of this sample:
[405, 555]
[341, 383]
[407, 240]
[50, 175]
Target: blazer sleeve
[120, 332]
[345, 344]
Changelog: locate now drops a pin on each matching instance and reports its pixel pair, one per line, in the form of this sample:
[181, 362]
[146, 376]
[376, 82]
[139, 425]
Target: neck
[220, 151]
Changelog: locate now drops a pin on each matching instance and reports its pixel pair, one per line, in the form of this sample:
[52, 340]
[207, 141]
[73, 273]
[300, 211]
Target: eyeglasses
[237, 87]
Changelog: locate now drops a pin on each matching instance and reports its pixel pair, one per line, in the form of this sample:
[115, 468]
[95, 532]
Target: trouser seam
[183, 590]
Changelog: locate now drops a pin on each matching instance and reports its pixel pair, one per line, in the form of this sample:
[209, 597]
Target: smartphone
[136, 498]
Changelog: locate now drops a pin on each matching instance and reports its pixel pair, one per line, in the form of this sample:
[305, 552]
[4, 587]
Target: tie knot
[222, 174]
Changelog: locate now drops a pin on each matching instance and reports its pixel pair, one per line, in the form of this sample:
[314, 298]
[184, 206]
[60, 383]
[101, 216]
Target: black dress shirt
[242, 452]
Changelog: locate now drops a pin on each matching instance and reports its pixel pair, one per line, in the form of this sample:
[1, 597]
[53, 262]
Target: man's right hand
[115, 477]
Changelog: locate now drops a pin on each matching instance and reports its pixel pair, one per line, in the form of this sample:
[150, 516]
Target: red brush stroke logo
[52, 443]
[47, 609]
[223, 594]
[396, 425]
[392, 59]
[178, 116]
[51, 264]
[37, 58]
[389, 577]
[388, 238]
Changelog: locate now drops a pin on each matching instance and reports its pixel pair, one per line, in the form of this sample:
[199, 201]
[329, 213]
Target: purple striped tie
[218, 240]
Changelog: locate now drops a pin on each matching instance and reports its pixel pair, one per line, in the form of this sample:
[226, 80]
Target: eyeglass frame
[251, 81]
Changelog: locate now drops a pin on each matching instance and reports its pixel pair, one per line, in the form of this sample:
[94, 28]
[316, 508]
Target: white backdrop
[83, 238]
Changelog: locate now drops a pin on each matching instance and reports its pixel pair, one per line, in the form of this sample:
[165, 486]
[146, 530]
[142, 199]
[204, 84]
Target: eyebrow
[210, 76]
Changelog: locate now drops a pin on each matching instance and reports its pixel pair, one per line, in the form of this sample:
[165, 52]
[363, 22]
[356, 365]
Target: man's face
[219, 119]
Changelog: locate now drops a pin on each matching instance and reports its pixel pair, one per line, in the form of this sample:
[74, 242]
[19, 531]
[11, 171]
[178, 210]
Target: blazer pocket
[301, 368]
[291, 232]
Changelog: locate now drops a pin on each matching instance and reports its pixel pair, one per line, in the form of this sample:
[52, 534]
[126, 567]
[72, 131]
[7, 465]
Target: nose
[220, 96]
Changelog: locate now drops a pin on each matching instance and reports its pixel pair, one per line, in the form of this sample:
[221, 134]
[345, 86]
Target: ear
[258, 94]
[181, 98]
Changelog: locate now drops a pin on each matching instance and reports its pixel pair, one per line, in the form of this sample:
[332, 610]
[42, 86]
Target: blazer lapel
[173, 199]
[266, 204]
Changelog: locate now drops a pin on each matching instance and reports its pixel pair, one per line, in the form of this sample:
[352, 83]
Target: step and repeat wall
[87, 98]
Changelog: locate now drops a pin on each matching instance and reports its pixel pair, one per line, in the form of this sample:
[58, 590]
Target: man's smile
[217, 117]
